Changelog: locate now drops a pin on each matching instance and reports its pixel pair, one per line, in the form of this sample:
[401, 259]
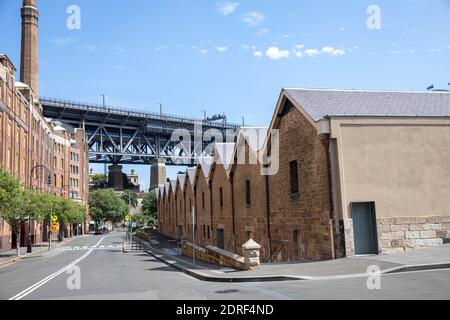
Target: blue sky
[231, 56]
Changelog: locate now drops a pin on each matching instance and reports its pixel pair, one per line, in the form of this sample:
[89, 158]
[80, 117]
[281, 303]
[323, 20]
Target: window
[203, 200]
[221, 197]
[204, 231]
[248, 199]
[209, 233]
[294, 178]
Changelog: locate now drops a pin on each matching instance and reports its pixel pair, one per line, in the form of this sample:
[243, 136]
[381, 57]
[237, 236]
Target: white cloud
[253, 18]
[258, 54]
[221, 49]
[245, 46]
[405, 51]
[226, 7]
[311, 52]
[160, 48]
[298, 54]
[275, 53]
[203, 51]
[262, 32]
[338, 53]
[328, 50]
[62, 41]
[334, 52]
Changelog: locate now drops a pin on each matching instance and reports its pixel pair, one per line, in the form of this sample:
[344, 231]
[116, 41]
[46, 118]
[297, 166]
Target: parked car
[102, 230]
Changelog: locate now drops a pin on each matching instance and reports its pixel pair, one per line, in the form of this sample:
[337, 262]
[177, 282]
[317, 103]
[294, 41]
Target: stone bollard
[251, 254]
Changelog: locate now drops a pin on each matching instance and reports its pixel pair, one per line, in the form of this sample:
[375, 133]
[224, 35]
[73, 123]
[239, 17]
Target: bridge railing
[60, 103]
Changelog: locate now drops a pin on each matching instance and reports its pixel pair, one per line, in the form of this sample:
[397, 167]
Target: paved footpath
[433, 258]
[107, 273]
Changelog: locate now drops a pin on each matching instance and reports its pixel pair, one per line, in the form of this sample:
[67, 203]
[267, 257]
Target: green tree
[150, 208]
[99, 179]
[16, 204]
[129, 197]
[105, 205]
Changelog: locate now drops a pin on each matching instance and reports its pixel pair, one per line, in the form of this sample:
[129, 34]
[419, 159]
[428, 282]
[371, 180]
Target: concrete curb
[278, 278]
[36, 251]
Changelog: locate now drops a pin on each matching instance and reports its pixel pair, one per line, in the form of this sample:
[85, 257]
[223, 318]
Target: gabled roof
[255, 137]
[191, 173]
[161, 190]
[322, 103]
[205, 164]
[181, 180]
[223, 154]
[167, 188]
[173, 185]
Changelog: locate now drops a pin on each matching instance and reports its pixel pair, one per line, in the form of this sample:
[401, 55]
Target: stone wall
[222, 214]
[214, 255]
[203, 210]
[306, 214]
[250, 220]
[404, 233]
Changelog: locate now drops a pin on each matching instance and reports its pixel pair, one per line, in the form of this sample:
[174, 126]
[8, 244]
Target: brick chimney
[29, 53]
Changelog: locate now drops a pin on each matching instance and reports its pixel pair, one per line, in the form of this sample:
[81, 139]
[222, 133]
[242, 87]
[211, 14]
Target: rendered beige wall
[401, 164]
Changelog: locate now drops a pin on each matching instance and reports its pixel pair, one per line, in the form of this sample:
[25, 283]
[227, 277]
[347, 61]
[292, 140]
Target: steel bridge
[125, 136]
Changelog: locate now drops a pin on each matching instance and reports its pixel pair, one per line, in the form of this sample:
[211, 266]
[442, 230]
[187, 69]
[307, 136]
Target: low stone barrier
[217, 256]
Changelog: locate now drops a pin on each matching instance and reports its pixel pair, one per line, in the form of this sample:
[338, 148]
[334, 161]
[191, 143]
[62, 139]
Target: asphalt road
[106, 273]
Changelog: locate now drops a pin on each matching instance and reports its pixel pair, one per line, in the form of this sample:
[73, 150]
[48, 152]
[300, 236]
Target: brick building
[249, 191]
[28, 140]
[203, 204]
[221, 197]
[358, 172]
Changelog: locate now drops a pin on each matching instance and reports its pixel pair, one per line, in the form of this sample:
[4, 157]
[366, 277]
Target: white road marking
[39, 284]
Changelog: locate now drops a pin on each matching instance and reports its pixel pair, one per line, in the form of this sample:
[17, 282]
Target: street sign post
[193, 234]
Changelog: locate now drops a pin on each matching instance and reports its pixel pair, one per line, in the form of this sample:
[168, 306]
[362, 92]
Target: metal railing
[282, 247]
[60, 103]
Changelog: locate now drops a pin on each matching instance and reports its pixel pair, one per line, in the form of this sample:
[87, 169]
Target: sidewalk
[9, 257]
[432, 258]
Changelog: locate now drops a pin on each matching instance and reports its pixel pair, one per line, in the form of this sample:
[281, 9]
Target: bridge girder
[123, 136]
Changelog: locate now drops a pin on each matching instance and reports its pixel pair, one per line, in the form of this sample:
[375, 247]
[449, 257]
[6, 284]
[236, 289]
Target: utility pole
[204, 114]
[104, 107]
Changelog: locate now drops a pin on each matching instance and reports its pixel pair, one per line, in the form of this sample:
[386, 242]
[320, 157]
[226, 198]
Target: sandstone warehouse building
[359, 172]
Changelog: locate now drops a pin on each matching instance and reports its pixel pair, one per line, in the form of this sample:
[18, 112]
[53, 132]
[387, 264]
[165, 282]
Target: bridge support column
[115, 177]
[157, 173]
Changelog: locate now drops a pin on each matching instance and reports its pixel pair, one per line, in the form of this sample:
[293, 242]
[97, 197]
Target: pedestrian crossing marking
[87, 248]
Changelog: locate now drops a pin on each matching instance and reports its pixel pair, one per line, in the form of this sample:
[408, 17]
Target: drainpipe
[211, 209]
[331, 193]
[268, 215]
[232, 212]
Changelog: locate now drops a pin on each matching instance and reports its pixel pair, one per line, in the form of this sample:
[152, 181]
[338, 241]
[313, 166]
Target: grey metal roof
[320, 103]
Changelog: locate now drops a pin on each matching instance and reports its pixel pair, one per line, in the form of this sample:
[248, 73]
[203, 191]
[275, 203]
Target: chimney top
[29, 3]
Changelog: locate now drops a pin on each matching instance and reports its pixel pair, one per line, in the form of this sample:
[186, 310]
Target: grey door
[364, 228]
[220, 239]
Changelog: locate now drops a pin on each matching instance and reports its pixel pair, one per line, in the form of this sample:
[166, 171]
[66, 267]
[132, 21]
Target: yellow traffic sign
[127, 218]
[55, 218]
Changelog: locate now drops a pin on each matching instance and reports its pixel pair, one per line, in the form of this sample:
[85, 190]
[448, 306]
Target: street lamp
[204, 114]
[49, 181]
